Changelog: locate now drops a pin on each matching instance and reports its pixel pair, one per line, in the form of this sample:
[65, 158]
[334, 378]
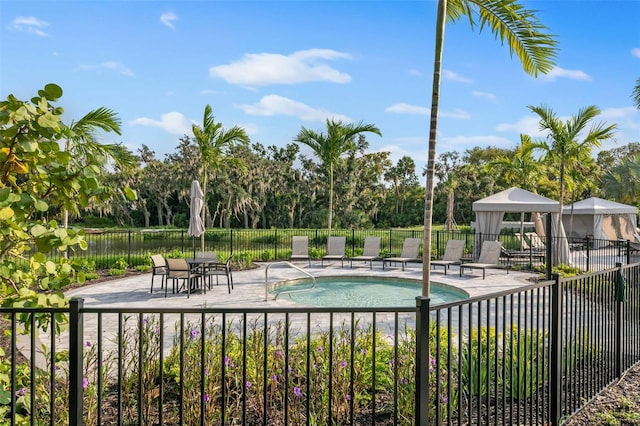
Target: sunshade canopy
[595, 205]
[516, 200]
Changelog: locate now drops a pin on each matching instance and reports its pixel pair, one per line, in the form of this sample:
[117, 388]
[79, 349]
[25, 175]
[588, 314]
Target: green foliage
[521, 365]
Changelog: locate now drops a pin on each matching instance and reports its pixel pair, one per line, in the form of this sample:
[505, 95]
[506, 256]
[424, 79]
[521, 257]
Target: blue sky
[275, 66]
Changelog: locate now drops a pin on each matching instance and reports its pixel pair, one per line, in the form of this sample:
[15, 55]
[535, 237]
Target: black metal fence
[135, 246]
[528, 356]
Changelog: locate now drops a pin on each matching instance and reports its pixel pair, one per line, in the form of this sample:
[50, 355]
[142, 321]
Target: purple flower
[364, 351]
[145, 321]
[274, 377]
[444, 399]
[206, 371]
[226, 360]
[207, 397]
[392, 362]
[87, 344]
[22, 391]
[319, 348]
[194, 334]
[433, 361]
[347, 397]
[297, 391]
[279, 353]
[85, 383]
[343, 364]
[248, 384]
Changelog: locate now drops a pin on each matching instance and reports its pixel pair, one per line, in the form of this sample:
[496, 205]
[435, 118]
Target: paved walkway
[249, 285]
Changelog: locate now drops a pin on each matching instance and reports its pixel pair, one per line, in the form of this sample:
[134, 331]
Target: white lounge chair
[410, 250]
[335, 250]
[370, 252]
[300, 249]
[452, 254]
[489, 258]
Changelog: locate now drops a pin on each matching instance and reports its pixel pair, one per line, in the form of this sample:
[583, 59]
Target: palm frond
[520, 30]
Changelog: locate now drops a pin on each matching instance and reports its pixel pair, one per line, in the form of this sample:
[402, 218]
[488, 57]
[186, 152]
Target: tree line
[253, 186]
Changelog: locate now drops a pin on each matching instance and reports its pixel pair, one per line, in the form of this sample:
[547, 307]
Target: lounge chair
[371, 251]
[535, 241]
[410, 249]
[524, 245]
[158, 267]
[452, 254]
[489, 258]
[335, 250]
[300, 249]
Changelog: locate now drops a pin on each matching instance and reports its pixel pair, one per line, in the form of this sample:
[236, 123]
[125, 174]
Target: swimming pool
[364, 292]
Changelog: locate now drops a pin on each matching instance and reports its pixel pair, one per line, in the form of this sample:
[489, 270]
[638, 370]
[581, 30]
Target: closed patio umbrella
[196, 226]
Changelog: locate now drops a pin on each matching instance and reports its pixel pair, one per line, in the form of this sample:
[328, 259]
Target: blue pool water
[364, 292]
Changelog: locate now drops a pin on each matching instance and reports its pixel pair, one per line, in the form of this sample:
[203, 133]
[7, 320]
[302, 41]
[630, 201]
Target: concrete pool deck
[249, 285]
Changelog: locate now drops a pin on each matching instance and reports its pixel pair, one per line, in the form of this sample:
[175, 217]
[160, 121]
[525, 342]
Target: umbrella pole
[193, 239]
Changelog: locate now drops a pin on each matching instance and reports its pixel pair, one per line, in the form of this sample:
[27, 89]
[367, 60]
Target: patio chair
[335, 250]
[410, 249]
[535, 241]
[300, 249]
[179, 269]
[214, 268]
[524, 245]
[370, 252]
[158, 267]
[452, 254]
[489, 258]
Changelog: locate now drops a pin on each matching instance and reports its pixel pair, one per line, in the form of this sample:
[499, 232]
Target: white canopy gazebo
[601, 220]
[490, 212]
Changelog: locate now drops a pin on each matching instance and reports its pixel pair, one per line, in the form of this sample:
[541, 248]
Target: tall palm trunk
[435, 98]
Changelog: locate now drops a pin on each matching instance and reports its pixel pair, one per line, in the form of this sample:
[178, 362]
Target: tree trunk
[435, 98]
[330, 214]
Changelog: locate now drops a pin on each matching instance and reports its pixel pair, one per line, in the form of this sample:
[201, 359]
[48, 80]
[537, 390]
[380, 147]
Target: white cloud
[558, 72]
[486, 95]
[403, 108]
[635, 52]
[415, 73]
[529, 125]
[29, 24]
[452, 76]
[458, 142]
[257, 69]
[271, 105]
[108, 65]
[457, 114]
[250, 129]
[627, 117]
[167, 19]
[171, 122]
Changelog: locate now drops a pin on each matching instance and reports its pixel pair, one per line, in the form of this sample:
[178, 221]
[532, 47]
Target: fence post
[129, 251]
[587, 252]
[76, 339]
[628, 252]
[550, 243]
[620, 299]
[231, 241]
[422, 360]
[555, 358]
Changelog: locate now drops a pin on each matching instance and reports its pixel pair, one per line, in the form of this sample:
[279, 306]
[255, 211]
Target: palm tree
[636, 94]
[525, 36]
[84, 147]
[330, 146]
[565, 149]
[214, 143]
[562, 145]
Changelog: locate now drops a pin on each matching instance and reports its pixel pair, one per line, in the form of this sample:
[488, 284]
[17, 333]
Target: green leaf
[38, 230]
[52, 92]
[41, 205]
[51, 267]
[6, 213]
[29, 145]
[130, 194]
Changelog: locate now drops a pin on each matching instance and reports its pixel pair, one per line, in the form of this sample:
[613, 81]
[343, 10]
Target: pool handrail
[284, 262]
